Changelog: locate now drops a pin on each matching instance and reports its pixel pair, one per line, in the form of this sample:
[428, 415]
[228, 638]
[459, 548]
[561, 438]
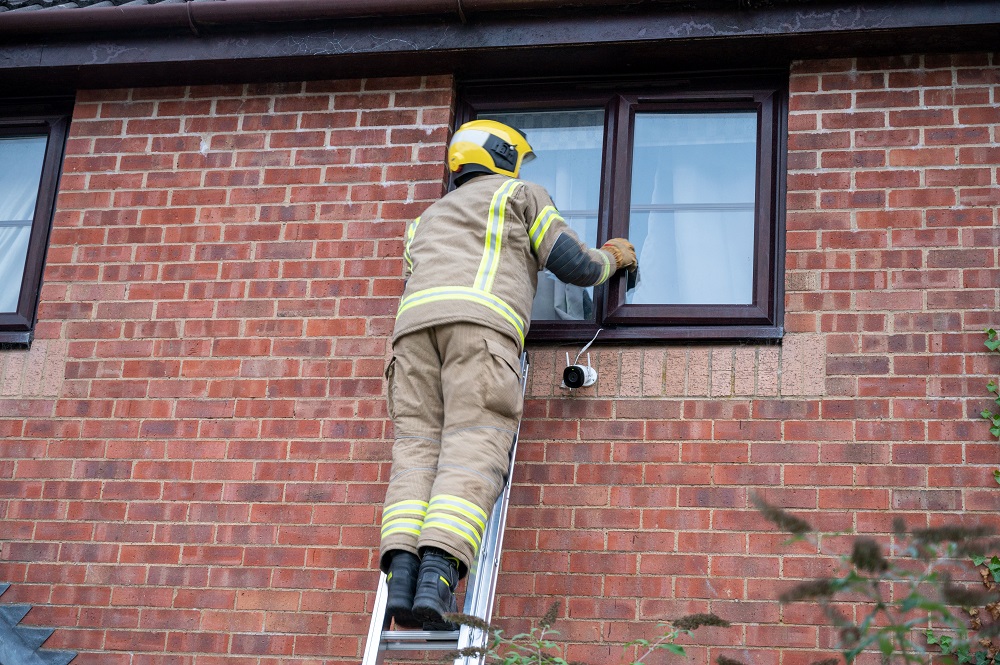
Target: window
[690, 171]
[32, 138]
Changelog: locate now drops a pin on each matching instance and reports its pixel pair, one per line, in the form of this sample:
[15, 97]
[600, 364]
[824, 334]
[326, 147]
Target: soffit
[207, 41]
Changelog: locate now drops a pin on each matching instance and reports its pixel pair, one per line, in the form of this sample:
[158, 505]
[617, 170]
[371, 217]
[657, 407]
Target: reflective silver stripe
[447, 522]
[418, 508]
[404, 516]
[402, 524]
[494, 235]
[442, 293]
[461, 506]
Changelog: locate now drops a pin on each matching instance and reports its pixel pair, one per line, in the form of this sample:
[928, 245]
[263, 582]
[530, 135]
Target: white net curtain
[20, 173]
[693, 200]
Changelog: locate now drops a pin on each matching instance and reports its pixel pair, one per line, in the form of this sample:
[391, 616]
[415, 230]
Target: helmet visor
[473, 136]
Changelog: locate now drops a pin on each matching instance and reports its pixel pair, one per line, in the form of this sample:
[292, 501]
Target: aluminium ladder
[480, 590]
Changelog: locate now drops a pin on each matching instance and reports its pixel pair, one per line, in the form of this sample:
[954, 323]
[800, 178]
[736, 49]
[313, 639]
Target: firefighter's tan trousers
[455, 399]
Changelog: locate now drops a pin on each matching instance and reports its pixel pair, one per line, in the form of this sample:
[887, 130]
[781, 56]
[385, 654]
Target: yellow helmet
[487, 146]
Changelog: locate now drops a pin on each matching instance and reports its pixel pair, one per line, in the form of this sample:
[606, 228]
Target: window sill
[10, 340]
[540, 333]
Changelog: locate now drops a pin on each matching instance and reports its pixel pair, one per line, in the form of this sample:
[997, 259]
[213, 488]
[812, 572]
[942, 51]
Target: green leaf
[994, 567]
[674, 648]
[930, 605]
[996, 476]
[992, 342]
[908, 604]
[885, 645]
[978, 560]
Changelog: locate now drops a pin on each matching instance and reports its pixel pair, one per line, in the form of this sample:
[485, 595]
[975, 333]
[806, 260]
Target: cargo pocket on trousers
[503, 394]
[390, 373]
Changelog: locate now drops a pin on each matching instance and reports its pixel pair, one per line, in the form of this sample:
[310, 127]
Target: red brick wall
[195, 446]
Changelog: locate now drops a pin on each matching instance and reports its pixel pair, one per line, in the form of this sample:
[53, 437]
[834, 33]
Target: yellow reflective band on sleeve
[606, 271]
[494, 236]
[541, 225]
[444, 293]
[411, 229]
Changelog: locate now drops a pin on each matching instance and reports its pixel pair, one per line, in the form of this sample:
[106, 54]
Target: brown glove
[624, 253]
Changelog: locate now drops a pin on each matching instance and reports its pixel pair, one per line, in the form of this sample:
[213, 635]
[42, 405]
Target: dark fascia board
[529, 44]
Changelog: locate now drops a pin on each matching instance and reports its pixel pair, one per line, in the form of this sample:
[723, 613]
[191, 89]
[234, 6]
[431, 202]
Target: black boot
[402, 582]
[435, 594]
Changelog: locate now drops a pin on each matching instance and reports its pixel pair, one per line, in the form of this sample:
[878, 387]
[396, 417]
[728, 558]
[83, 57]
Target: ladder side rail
[373, 653]
[481, 595]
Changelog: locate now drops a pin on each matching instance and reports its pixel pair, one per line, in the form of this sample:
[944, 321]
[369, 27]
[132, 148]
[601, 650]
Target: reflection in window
[568, 146]
[692, 208]
[20, 174]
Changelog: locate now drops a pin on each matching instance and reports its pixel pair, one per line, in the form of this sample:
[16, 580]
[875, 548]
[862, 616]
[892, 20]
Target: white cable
[588, 346]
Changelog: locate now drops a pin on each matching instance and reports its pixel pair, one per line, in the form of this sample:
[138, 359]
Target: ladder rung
[429, 640]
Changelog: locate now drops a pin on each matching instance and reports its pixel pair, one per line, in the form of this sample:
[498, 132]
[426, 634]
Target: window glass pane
[568, 147]
[692, 211]
[20, 173]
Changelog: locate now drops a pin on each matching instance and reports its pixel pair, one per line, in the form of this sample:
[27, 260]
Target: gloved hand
[624, 253]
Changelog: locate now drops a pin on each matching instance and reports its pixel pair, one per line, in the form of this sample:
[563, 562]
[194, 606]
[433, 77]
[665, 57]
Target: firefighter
[471, 262]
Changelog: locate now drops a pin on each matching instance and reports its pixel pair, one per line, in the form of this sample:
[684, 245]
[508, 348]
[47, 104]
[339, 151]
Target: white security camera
[579, 376]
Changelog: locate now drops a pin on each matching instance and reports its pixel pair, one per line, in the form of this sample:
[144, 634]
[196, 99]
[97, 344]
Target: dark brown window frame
[766, 93]
[51, 118]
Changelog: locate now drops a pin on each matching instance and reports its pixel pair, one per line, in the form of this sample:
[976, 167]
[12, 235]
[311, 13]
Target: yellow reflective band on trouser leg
[404, 517]
[451, 524]
[469, 510]
[457, 516]
[494, 236]
[443, 293]
[541, 225]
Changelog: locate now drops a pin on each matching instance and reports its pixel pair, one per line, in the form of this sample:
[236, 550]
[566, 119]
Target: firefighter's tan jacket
[474, 256]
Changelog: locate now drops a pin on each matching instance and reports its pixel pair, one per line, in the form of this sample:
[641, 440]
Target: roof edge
[189, 15]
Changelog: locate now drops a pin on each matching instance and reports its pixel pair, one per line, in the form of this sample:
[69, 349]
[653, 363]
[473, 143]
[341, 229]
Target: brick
[956, 135]
[921, 117]
[961, 218]
[819, 141]
[879, 99]
[922, 157]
